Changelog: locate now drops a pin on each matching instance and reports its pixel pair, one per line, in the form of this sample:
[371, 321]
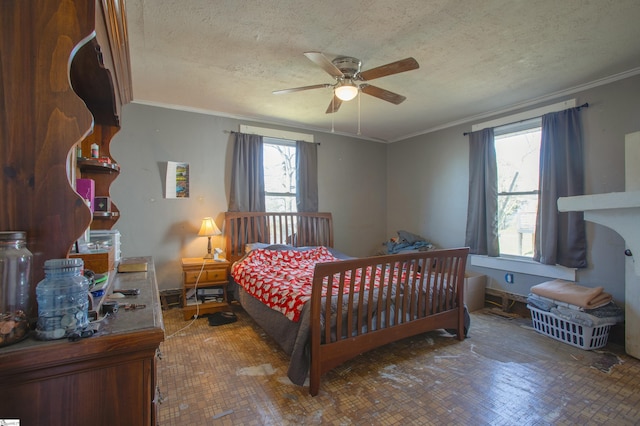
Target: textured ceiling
[475, 57]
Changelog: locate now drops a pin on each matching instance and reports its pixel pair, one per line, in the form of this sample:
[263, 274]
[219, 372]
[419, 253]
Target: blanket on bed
[280, 279]
[568, 292]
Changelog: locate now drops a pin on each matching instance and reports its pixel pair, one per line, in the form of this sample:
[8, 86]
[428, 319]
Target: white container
[569, 332]
[104, 239]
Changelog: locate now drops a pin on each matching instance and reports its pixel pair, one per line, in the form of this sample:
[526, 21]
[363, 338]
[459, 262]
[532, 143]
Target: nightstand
[208, 293]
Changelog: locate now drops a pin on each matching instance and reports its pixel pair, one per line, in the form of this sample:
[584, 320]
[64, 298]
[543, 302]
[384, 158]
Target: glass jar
[63, 299]
[16, 307]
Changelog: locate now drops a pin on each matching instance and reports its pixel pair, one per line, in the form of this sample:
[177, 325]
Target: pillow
[253, 246]
[281, 247]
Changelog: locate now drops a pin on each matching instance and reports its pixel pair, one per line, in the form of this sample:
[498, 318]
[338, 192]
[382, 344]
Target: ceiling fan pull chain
[359, 113]
[333, 101]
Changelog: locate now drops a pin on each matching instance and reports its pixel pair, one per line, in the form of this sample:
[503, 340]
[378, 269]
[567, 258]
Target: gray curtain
[307, 173]
[482, 213]
[247, 174]
[560, 238]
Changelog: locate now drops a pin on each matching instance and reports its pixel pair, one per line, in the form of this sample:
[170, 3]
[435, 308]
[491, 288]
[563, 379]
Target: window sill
[524, 266]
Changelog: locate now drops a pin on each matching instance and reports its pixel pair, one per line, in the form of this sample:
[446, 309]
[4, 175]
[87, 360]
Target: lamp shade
[346, 91]
[208, 228]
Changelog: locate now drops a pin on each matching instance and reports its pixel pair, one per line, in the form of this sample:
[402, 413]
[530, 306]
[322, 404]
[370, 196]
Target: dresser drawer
[190, 277]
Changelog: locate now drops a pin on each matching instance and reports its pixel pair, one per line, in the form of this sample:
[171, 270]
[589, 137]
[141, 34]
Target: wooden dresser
[107, 379]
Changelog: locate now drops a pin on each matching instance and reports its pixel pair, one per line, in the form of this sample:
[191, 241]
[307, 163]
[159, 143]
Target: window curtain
[307, 175]
[247, 174]
[560, 237]
[482, 213]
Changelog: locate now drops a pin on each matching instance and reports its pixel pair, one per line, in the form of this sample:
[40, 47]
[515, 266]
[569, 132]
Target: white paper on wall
[177, 183]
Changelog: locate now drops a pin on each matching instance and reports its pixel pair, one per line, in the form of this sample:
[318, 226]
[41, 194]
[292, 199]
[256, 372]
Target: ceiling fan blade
[298, 89]
[324, 63]
[334, 106]
[383, 94]
[403, 65]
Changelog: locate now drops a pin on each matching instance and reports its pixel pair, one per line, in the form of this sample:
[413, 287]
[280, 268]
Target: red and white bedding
[281, 279]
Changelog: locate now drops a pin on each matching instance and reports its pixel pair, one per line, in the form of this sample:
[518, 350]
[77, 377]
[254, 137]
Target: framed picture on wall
[177, 181]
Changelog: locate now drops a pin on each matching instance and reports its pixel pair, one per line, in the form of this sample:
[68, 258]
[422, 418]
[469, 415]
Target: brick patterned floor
[505, 373]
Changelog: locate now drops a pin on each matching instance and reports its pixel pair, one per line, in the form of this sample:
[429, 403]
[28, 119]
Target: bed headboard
[295, 229]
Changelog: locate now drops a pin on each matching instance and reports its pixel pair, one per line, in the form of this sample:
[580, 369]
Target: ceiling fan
[350, 80]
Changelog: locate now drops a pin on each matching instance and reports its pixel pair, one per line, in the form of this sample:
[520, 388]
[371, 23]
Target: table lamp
[208, 229]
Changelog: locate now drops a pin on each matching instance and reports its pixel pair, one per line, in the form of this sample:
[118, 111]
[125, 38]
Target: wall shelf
[89, 164]
[619, 211]
[106, 215]
[103, 174]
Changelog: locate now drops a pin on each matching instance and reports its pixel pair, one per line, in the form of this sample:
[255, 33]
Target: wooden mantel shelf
[619, 211]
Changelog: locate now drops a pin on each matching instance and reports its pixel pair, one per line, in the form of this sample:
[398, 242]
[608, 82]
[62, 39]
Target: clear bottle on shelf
[16, 307]
[63, 299]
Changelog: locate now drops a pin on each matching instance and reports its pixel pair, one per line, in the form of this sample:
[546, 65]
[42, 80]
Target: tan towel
[568, 292]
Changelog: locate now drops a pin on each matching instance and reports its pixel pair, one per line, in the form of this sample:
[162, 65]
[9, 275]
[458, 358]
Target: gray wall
[428, 179]
[352, 179]
[372, 189]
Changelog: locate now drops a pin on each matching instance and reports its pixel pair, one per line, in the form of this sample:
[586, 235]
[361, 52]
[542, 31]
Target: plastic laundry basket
[569, 332]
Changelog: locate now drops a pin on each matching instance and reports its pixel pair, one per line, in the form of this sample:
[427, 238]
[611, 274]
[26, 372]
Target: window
[517, 247]
[279, 174]
[517, 157]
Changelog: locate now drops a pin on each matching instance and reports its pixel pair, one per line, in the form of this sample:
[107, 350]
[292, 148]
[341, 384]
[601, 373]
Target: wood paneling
[42, 117]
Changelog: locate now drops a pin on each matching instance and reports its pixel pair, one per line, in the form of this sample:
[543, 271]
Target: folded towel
[540, 302]
[584, 318]
[573, 316]
[610, 310]
[568, 292]
[545, 301]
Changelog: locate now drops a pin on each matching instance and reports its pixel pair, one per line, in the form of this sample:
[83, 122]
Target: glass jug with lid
[16, 307]
[63, 299]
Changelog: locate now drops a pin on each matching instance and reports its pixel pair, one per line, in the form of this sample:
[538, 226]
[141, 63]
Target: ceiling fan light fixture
[346, 91]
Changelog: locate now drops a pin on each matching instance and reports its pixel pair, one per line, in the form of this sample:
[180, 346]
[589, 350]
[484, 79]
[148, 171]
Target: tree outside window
[518, 158]
[280, 175]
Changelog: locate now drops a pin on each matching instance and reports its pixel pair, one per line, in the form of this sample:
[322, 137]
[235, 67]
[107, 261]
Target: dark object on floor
[170, 298]
[222, 318]
[467, 324]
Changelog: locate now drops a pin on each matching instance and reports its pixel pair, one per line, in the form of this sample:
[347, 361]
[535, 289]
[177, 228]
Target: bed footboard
[360, 304]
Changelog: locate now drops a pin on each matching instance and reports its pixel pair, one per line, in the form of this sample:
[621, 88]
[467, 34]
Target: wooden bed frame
[428, 295]
[294, 229]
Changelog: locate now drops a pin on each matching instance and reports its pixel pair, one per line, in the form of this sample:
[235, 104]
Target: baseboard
[508, 302]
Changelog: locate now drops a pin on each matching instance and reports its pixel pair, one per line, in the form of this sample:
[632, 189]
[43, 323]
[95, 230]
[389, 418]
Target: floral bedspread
[282, 279]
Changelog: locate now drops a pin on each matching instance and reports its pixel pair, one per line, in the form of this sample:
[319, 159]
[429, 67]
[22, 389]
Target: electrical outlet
[508, 277]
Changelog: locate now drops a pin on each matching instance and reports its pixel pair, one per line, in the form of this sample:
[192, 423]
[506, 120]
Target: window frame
[523, 265]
